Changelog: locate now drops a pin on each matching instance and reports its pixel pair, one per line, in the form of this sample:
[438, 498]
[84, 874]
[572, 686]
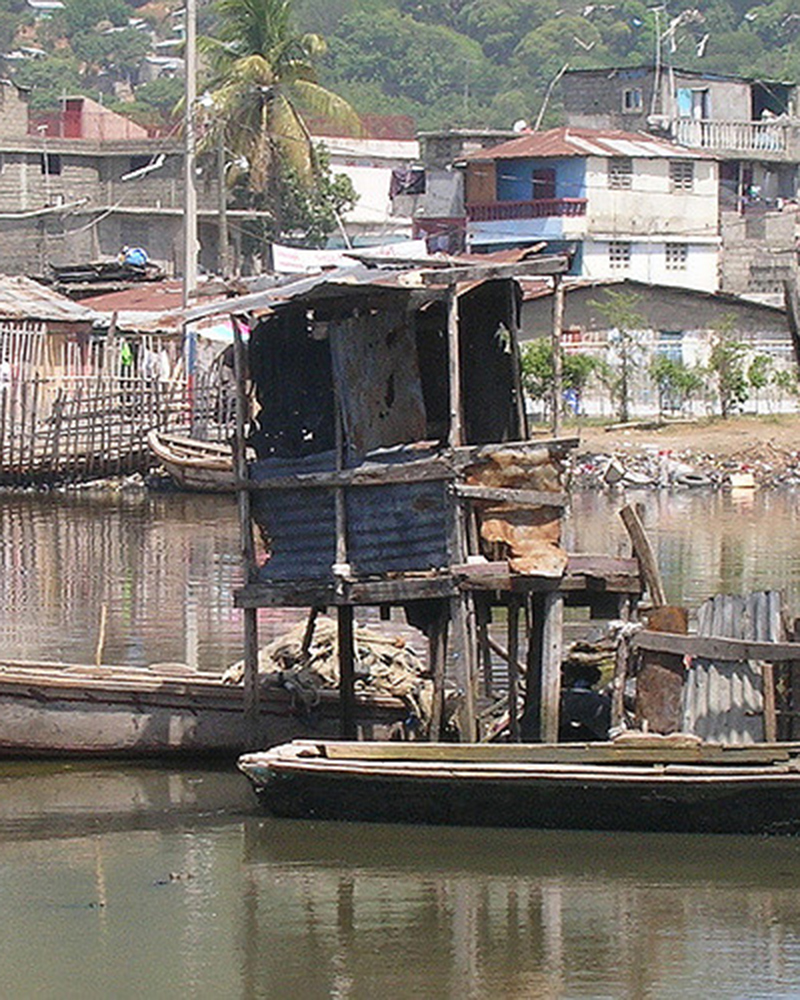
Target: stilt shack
[394, 469]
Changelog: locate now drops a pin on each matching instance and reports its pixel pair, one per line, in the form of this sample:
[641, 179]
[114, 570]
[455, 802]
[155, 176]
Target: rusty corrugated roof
[571, 141]
[23, 298]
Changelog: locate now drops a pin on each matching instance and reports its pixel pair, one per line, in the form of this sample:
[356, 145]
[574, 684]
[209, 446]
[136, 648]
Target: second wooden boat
[204, 466]
[696, 788]
[50, 709]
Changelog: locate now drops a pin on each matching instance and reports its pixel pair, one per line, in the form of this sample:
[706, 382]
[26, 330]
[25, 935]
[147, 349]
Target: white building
[625, 205]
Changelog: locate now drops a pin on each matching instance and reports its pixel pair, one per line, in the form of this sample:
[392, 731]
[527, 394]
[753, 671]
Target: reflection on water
[178, 887]
[165, 566]
[707, 542]
[259, 907]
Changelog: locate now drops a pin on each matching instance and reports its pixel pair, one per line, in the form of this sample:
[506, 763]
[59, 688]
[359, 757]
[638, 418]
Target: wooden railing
[499, 211]
[746, 137]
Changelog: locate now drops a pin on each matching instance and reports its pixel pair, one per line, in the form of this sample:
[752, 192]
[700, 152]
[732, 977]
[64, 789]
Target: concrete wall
[759, 250]
[651, 206]
[649, 263]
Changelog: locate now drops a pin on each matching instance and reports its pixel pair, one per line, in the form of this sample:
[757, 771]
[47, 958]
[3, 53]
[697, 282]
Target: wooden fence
[74, 409]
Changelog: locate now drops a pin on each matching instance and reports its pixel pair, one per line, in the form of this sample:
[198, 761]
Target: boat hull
[644, 799]
[196, 466]
[51, 712]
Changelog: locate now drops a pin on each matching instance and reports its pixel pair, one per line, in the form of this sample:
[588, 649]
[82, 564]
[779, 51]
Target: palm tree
[263, 82]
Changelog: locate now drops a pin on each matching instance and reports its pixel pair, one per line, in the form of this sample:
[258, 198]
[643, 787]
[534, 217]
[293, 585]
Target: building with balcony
[622, 204]
[752, 127]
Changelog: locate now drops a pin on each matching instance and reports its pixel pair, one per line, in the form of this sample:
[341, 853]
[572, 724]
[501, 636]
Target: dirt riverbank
[768, 448]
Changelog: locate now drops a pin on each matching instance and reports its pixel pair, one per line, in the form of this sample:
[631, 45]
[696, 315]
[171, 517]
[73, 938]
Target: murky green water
[258, 907]
[139, 883]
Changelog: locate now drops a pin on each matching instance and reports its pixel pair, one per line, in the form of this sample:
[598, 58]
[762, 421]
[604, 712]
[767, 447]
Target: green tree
[727, 364]
[620, 310]
[538, 371]
[263, 85]
[759, 374]
[676, 382]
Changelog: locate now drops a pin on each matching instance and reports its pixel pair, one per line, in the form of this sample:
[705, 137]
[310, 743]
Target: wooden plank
[453, 370]
[372, 474]
[305, 593]
[470, 454]
[716, 647]
[584, 753]
[557, 399]
[521, 497]
[552, 654]
[644, 553]
[551, 264]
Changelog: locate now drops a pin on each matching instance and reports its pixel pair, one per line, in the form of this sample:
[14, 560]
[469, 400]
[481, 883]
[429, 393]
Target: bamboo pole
[645, 556]
[558, 323]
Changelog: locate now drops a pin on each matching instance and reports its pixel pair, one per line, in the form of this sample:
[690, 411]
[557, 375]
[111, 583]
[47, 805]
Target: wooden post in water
[346, 650]
[552, 643]
[251, 686]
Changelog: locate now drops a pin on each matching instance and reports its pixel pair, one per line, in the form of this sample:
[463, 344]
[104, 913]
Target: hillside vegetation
[443, 62]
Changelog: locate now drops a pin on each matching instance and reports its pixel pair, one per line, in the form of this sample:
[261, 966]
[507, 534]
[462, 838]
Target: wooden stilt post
[347, 695]
[437, 656]
[513, 675]
[251, 686]
[552, 641]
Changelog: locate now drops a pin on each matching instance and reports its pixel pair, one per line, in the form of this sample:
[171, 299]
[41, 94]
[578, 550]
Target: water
[174, 886]
[258, 907]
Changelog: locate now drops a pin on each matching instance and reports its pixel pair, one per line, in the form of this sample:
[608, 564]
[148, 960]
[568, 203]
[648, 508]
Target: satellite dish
[520, 125]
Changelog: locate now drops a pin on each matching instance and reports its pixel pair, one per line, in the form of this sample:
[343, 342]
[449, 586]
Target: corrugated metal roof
[23, 298]
[571, 141]
[149, 307]
[540, 288]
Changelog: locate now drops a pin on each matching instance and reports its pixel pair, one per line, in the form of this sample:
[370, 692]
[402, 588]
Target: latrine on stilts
[394, 469]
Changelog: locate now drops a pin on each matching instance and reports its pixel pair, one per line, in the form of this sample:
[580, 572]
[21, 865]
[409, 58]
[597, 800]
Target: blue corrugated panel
[397, 528]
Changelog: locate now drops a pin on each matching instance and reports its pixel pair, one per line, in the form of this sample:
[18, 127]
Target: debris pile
[384, 665]
[759, 465]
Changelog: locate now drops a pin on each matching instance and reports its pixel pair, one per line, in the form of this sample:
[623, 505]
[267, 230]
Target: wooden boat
[205, 466]
[651, 785]
[50, 709]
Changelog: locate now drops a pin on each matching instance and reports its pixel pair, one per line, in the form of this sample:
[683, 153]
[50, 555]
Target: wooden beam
[513, 676]
[469, 454]
[711, 647]
[643, 551]
[551, 264]
[251, 682]
[454, 370]
[521, 497]
[555, 340]
[373, 474]
[437, 662]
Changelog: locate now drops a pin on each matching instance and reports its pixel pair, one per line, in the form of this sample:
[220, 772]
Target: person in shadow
[585, 713]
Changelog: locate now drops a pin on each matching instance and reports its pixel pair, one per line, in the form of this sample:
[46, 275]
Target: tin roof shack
[394, 469]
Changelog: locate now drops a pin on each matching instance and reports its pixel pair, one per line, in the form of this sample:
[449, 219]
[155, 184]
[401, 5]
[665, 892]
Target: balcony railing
[744, 137]
[501, 211]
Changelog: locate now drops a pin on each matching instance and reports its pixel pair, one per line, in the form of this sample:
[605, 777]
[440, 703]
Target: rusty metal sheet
[530, 537]
[377, 373]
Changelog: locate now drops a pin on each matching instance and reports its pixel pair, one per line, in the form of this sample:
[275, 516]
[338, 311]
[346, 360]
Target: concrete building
[625, 205]
[750, 126]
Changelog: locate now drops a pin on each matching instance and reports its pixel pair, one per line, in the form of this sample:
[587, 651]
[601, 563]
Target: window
[681, 175]
[632, 102]
[619, 255]
[676, 254]
[51, 164]
[543, 181]
[620, 172]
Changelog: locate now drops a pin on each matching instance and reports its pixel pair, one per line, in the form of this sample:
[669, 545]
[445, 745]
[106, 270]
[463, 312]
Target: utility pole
[223, 251]
[190, 156]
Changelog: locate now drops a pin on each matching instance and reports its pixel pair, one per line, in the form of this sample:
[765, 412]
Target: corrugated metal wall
[723, 701]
